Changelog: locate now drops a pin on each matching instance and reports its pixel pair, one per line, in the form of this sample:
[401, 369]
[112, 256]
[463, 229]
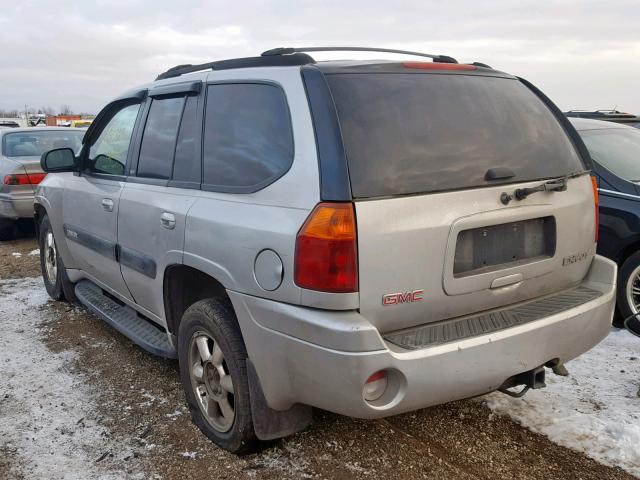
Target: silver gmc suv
[365, 237]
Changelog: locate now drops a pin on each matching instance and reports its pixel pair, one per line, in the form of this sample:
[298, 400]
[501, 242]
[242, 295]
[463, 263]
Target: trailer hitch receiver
[528, 380]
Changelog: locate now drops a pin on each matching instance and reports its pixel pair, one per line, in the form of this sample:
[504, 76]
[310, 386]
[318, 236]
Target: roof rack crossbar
[291, 50]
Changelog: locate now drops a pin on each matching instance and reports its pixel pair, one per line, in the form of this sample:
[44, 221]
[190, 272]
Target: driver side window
[108, 154]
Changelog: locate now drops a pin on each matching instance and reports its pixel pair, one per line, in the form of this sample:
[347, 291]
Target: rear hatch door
[431, 157]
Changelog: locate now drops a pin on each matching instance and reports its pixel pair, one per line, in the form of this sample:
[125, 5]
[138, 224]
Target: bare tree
[65, 110]
[8, 113]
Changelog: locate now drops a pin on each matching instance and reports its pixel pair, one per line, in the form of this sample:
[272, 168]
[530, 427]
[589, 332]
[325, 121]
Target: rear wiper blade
[555, 185]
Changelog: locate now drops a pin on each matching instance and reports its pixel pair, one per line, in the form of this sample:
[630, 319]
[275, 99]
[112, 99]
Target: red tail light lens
[438, 66]
[326, 257]
[596, 201]
[24, 179]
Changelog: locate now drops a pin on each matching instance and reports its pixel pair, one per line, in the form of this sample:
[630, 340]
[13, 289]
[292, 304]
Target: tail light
[596, 201]
[326, 257]
[24, 178]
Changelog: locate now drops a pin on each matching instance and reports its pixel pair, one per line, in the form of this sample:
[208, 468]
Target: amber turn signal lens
[326, 250]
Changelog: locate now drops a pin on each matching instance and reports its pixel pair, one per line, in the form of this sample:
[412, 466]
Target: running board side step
[125, 320]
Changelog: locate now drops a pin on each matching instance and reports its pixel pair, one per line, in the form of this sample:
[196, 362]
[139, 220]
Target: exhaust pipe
[528, 380]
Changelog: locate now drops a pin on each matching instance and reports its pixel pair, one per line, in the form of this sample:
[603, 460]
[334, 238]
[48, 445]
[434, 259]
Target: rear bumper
[14, 208]
[323, 358]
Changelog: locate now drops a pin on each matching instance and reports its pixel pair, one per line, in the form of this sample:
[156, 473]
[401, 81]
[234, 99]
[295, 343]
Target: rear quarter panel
[226, 231]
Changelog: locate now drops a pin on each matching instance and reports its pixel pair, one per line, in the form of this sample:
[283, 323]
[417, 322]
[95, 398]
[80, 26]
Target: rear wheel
[629, 288]
[54, 274]
[213, 372]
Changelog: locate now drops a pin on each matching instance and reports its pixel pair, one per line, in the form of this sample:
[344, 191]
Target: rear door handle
[107, 204]
[168, 220]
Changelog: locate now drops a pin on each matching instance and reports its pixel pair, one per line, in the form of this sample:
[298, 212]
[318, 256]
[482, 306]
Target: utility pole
[26, 114]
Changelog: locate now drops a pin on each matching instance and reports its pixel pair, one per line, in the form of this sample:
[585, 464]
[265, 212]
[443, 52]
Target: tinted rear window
[414, 133]
[248, 140]
[617, 149]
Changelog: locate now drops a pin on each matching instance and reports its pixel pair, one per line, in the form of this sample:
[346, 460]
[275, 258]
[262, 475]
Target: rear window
[617, 149]
[34, 144]
[415, 133]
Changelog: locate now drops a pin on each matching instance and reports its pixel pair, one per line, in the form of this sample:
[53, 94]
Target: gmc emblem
[406, 297]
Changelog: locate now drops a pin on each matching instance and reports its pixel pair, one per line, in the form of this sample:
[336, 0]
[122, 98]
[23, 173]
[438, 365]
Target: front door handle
[168, 220]
[107, 204]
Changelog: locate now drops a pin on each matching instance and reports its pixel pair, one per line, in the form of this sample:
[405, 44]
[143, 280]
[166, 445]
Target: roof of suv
[608, 115]
[582, 124]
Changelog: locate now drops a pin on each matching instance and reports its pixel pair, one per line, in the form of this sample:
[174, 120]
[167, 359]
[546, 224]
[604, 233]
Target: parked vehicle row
[615, 150]
[365, 237]
[614, 116]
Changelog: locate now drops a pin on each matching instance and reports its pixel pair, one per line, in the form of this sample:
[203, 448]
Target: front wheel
[54, 274]
[213, 371]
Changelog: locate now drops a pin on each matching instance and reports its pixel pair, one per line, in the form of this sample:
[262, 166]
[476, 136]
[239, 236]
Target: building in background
[61, 120]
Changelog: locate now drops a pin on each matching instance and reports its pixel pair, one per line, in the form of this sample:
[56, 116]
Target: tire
[627, 275]
[206, 326]
[54, 274]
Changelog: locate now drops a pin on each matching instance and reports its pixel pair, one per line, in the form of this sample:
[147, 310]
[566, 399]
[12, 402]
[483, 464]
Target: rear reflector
[596, 201]
[326, 253]
[375, 386]
[438, 66]
[24, 179]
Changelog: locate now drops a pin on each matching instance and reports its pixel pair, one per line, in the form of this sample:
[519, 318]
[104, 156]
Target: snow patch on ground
[16, 254]
[596, 410]
[286, 459]
[47, 411]
[34, 252]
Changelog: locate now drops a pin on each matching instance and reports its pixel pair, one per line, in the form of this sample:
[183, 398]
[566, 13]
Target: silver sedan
[20, 170]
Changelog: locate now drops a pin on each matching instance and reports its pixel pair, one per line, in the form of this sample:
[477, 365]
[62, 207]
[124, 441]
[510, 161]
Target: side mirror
[59, 160]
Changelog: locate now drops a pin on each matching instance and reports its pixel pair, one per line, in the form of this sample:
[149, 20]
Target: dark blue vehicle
[615, 150]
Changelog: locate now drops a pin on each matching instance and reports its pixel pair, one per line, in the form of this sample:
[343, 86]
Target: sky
[584, 54]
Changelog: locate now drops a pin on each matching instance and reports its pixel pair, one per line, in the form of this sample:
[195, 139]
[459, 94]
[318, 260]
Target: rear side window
[159, 138]
[414, 133]
[248, 140]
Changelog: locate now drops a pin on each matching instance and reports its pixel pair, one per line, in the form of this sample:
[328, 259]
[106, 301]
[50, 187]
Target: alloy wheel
[50, 257]
[211, 382]
[633, 290]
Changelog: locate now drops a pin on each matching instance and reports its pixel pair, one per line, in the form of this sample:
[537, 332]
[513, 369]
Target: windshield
[34, 144]
[616, 149]
[410, 133]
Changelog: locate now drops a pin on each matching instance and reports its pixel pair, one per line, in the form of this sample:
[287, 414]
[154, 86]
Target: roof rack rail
[281, 57]
[247, 62]
[284, 51]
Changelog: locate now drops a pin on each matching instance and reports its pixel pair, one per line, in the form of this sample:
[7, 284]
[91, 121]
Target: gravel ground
[136, 401]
